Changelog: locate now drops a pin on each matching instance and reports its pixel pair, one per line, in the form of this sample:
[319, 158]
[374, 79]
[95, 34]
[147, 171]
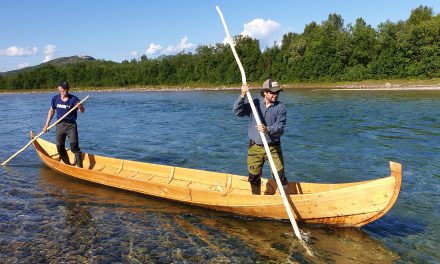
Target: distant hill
[56, 62]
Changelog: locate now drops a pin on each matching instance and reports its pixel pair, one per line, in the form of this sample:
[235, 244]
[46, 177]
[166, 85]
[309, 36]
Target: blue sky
[36, 31]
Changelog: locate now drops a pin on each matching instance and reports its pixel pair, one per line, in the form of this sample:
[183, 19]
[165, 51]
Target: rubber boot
[78, 160]
[269, 189]
[63, 154]
[256, 189]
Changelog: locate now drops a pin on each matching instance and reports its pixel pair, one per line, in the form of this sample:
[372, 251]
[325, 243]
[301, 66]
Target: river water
[331, 136]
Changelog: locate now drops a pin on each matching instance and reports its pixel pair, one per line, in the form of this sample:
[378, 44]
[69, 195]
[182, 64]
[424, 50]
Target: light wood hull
[346, 204]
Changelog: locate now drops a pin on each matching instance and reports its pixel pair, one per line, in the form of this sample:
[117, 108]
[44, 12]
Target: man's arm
[277, 129]
[240, 108]
[49, 117]
[81, 108]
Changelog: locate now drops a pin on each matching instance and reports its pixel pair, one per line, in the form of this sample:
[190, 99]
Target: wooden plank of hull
[346, 204]
[326, 207]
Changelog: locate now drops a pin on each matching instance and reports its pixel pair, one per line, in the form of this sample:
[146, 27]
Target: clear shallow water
[332, 136]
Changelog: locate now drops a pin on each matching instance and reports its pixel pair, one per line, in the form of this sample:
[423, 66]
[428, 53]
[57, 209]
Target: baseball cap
[271, 85]
[64, 85]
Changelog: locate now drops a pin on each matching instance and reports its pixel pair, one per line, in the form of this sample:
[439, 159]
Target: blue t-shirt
[63, 107]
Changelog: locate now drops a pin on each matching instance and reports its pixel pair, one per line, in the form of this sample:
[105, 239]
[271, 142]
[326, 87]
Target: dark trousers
[66, 129]
[255, 161]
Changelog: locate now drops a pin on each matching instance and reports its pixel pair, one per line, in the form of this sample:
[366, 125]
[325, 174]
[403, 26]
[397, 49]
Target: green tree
[269, 65]
[420, 15]
[389, 59]
[423, 37]
[363, 43]
[249, 52]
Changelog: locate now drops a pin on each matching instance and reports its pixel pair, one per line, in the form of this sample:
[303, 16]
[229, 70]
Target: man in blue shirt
[62, 103]
[273, 117]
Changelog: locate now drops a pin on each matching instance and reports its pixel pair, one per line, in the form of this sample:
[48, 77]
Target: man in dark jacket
[273, 117]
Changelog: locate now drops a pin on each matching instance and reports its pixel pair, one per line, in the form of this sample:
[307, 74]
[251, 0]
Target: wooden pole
[266, 146]
[42, 132]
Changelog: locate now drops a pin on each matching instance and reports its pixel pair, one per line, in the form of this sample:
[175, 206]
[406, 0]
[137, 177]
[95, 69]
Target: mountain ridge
[55, 62]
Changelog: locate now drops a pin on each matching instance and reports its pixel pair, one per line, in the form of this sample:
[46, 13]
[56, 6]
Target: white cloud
[23, 65]
[15, 51]
[49, 52]
[184, 45]
[153, 49]
[266, 31]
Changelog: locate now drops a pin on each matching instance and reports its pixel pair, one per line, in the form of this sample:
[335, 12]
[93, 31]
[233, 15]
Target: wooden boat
[344, 204]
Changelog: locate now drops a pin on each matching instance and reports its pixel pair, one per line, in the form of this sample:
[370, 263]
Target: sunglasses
[277, 92]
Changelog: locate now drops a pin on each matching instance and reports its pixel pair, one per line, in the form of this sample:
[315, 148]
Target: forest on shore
[325, 52]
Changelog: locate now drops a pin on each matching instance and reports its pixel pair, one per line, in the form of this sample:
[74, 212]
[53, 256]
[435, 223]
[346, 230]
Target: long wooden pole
[42, 132]
[266, 146]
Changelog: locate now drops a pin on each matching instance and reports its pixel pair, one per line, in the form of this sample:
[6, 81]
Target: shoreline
[345, 87]
[387, 87]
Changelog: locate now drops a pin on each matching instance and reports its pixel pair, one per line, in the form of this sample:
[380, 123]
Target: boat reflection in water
[108, 224]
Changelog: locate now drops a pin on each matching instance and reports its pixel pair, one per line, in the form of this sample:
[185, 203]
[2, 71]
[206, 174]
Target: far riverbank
[433, 84]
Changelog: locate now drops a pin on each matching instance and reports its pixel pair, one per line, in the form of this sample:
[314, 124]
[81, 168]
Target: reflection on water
[85, 222]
